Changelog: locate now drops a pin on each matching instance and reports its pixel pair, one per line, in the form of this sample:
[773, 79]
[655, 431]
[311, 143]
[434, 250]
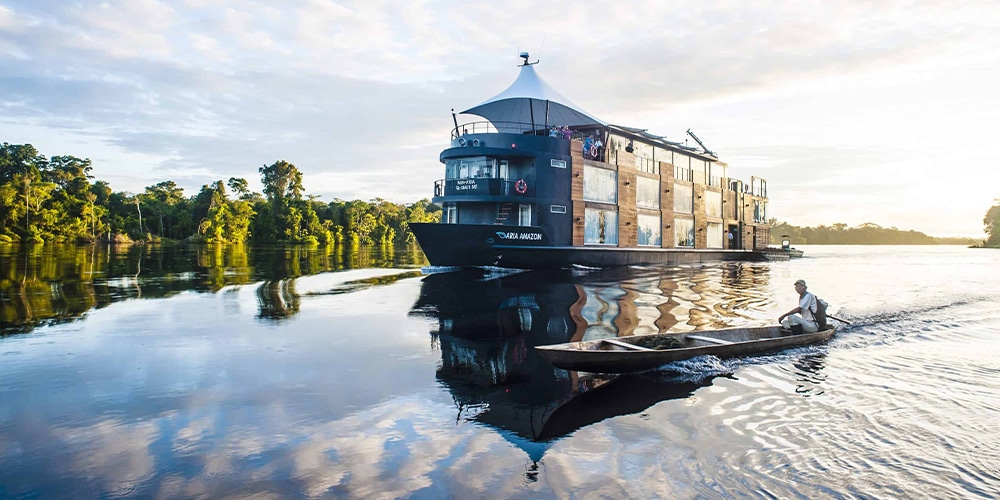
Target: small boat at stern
[645, 352]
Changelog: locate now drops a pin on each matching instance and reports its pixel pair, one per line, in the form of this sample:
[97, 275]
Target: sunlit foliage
[44, 200]
[992, 225]
[864, 234]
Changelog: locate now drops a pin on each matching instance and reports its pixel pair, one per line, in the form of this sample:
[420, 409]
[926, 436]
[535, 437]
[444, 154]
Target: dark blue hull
[515, 247]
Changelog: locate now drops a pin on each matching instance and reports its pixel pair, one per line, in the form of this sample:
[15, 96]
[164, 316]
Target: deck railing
[484, 186]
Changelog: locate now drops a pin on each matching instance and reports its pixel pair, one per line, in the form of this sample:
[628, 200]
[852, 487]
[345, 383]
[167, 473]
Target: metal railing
[499, 128]
[683, 174]
[483, 187]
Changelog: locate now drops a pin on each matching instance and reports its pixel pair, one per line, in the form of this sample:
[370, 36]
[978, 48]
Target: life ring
[520, 186]
[593, 152]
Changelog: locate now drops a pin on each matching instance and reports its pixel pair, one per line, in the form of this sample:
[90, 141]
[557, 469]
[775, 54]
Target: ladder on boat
[503, 213]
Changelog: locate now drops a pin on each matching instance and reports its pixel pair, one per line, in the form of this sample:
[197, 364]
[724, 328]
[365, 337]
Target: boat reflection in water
[487, 327]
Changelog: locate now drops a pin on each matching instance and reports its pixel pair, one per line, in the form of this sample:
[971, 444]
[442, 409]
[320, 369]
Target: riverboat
[645, 352]
[542, 183]
[786, 246]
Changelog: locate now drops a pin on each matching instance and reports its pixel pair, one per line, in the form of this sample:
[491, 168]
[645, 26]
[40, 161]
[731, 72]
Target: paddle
[838, 319]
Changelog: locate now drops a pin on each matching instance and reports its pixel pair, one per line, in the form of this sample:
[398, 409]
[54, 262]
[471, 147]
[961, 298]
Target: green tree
[291, 218]
[20, 159]
[281, 180]
[165, 203]
[992, 225]
[226, 221]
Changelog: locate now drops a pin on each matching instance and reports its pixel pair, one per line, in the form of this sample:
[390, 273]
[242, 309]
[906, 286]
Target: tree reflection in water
[53, 284]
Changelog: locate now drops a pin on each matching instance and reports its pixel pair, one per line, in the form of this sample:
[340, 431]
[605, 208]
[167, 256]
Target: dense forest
[864, 234]
[991, 223]
[57, 199]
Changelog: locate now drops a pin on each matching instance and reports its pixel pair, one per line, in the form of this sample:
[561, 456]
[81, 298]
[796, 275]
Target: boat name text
[519, 236]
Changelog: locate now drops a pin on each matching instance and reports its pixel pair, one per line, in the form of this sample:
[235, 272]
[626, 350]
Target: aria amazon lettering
[519, 236]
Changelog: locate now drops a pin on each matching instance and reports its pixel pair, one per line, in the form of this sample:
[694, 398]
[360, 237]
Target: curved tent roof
[527, 97]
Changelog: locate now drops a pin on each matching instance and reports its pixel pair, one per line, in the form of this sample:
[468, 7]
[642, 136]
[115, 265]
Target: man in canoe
[804, 314]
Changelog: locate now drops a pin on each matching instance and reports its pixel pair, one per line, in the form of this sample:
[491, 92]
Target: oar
[838, 319]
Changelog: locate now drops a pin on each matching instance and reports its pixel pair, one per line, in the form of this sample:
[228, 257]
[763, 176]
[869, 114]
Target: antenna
[702, 144]
[524, 55]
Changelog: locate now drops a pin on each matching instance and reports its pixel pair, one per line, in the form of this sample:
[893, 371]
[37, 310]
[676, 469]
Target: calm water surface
[213, 373]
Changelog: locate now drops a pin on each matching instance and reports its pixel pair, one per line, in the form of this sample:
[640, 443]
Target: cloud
[218, 88]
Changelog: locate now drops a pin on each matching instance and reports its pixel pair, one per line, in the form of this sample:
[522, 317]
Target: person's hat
[800, 282]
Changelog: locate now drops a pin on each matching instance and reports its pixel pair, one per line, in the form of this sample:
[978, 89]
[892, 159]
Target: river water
[170, 373]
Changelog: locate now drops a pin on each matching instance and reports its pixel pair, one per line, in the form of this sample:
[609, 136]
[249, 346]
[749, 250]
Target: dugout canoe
[644, 352]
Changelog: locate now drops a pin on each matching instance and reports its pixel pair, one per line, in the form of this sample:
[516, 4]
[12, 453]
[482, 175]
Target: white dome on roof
[529, 99]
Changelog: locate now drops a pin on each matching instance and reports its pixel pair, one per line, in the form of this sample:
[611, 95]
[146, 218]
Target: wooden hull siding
[628, 227]
[576, 184]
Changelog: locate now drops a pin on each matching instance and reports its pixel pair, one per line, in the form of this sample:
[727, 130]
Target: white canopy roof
[527, 98]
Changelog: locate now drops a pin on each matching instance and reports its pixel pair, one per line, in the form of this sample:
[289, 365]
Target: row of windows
[475, 168]
[601, 228]
[601, 185]
[489, 214]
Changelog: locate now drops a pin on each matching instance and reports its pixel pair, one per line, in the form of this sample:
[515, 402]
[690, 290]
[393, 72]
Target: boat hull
[603, 356]
[516, 247]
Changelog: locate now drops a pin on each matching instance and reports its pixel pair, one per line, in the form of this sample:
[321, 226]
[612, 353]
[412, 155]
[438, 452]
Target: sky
[853, 111]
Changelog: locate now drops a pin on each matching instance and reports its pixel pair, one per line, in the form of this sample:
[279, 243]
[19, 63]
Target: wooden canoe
[645, 352]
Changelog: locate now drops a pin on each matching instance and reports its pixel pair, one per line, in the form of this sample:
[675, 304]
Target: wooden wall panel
[628, 232]
[576, 187]
[700, 222]
[667, 205]
[579, 217]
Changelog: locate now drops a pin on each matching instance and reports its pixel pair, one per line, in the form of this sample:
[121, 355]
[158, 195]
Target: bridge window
[478, 167]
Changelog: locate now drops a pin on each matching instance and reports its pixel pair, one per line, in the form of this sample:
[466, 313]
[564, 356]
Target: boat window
[600, 227]
[504, 169]
[720, 170]
[714, 235]
[644, 158]
[558, 209]
[682, 167]
[649, 230]
[713, 203]
[451, 214]
[647, 194]
[699, 170]
[558, 163]
[759, 211]
[662, 156]
[600, 185]
[471, 168]
[524, 215]
[683, 199]
[684, 232]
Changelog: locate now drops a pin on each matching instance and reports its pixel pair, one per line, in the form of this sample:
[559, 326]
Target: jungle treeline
[991, 224]
[864, 234]
[56, 199]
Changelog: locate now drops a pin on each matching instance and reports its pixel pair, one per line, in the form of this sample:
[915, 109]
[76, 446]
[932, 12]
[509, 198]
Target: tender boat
[644, 352]
[786, 246]
[541, 183]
